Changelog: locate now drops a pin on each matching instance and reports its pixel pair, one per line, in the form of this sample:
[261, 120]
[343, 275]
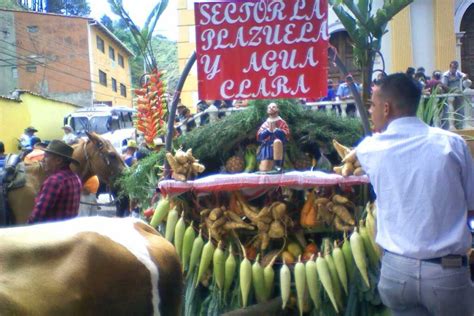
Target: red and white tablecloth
[232, 182]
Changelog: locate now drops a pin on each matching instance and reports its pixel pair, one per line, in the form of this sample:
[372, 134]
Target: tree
[142, 37]
[66, 7]
[10, 4]
[365, 30]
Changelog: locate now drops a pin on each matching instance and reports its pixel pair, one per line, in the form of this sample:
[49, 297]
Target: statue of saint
[272, 135]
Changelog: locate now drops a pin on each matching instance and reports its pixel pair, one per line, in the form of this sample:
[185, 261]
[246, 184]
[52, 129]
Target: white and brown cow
[88, 266]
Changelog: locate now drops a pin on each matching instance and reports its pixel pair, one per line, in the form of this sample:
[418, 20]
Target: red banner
[262, 49]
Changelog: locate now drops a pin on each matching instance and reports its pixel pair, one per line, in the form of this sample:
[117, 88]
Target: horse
[96, 156]
[89, 266]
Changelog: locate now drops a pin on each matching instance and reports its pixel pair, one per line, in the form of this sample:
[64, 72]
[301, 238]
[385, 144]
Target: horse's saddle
[12, 176]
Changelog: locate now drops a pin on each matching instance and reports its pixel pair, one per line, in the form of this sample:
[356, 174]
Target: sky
[139, 11]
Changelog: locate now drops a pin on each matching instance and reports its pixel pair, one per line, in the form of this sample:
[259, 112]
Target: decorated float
[296, 235]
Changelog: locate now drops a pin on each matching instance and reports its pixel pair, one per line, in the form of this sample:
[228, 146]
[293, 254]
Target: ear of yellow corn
[171, 222]
[188, 240]
[285, 284]
[336, 284]
[300, 283]
[229, 271]
[325, 277]
[206, 259]
[245, 277]
[358, 252]
[348, 258]
[312, 282]
[369, 249]
[161, 211]
[218, 266]
[338, 258]
[179, 231]
[258, 281]
[269, 278]
[196, 252]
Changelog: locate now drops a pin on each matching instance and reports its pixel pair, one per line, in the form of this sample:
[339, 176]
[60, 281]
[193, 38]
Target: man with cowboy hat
[25, 139]
[60, 193]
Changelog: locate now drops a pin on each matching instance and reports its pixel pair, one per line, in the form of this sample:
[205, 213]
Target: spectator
[25, 139]
[423, 71]
[37, 154]
[410, 72]
[88, 206]
[2, 155]
[452, 80]
[421, 226]
[69, 137]
[345, 93]
[435, 82]
[129, 155]
[202, 107]
[60, 193]
[330, 96]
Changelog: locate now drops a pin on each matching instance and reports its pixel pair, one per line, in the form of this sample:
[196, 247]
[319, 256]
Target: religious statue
[272, 135]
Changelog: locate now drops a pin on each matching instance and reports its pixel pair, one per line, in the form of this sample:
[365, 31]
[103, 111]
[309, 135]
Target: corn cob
[338, 258]
[161, 210]
[312, 282]
[229, 271]
[245, 277]
[171, 224]
[358, 251]
[218, 266]
[179, 230]
[188, 240]
[300, 283]
[206, 259]
[285, 284]
[325, 277]
[258, 280]
[195, 253]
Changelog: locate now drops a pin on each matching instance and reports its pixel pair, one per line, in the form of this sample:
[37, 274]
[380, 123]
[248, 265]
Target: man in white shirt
[452, 80]
[424, 181]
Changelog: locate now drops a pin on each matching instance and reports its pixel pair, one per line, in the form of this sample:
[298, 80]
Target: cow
[89, 266]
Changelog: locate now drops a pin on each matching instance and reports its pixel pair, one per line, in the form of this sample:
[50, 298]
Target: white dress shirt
[424, 181]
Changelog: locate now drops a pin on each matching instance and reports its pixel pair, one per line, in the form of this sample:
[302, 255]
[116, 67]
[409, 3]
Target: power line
[70, 46]
[65, 83]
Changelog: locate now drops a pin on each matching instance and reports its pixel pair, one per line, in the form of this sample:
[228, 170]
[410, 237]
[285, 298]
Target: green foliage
[166, 53]
[142, 36]
[69, 7]
[10, 4]
[139, 181]
[213, 143]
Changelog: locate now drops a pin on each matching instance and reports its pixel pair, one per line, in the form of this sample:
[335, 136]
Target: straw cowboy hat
[60, 148]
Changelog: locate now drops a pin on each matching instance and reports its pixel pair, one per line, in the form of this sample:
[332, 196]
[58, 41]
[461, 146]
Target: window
[14, 73]
[111, 53]
[102, 78]
[123, 90]
[121, 61]
[100, 44]
[114, 85]
[31, 68]
[32, 29]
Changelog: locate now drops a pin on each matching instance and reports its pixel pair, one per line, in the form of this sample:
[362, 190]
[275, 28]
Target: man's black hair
[410, 71]
[2, 148]
[402, 91]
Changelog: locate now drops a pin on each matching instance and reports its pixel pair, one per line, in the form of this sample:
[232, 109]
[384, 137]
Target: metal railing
[216, 114]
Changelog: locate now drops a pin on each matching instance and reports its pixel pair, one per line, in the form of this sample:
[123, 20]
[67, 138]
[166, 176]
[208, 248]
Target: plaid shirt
[58, 198]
